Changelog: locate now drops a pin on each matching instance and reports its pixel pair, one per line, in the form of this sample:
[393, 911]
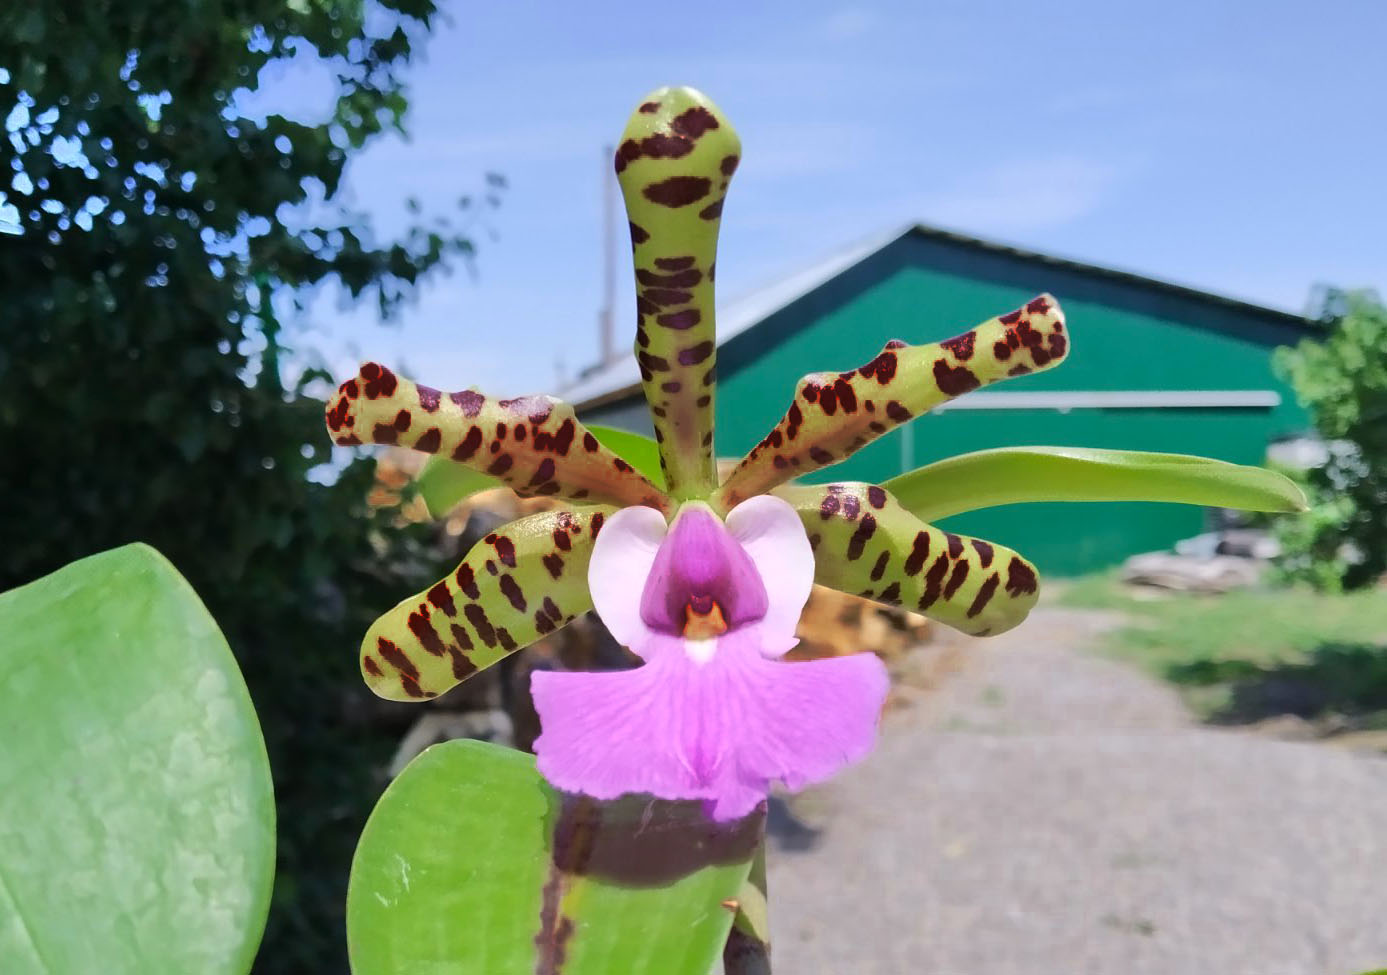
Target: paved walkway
[1046, 812]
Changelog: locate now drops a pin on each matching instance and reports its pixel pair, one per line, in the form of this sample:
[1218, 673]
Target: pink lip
[700, 564]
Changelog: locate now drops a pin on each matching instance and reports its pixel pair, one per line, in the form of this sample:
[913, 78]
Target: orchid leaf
[444, 483]
[533, 444]
[867, 545]
[136, 812]
[1010, 475]
[641, 452]
[832, 415]
[520, 582]
[471, 863]
[676, 158]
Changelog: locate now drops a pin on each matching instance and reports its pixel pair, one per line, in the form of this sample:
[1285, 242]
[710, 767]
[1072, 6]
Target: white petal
[621, 560]
[772, 534]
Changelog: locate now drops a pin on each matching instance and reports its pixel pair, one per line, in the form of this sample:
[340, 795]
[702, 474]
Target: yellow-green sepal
[866, 544]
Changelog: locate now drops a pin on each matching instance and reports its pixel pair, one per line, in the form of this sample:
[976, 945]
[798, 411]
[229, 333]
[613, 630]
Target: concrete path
[1046, 812]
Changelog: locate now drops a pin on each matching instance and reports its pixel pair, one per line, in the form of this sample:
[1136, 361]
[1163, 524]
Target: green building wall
[1127, 334]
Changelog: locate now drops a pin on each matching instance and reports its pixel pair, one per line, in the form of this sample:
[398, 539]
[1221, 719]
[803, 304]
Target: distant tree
[1342, 380]
[148, 231]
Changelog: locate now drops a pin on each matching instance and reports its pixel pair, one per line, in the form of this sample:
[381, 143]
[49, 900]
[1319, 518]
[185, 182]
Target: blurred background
[209, 212]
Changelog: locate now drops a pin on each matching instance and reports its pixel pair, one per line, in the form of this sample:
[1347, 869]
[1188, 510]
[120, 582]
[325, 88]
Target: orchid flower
[703, 580]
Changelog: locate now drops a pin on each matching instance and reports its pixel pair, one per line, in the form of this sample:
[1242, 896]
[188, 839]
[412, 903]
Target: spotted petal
[675, 160]
[835, 414]
[866, 544]
[535, 444]
[524, 580]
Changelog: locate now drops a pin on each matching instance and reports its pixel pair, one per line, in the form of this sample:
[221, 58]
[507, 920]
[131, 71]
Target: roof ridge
[617, 379]
[1121, 274]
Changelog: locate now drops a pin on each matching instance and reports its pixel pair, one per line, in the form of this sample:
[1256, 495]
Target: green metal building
[1153, 366]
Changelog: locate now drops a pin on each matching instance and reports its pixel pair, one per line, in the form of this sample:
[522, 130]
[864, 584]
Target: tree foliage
[1342, 381]
[150, 225]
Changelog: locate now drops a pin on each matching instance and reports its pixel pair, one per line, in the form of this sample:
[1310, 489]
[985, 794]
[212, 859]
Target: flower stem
[748, 948]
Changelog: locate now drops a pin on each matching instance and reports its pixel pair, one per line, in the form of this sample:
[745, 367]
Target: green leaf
[444, 483]
[640, 451]
[137, 817]
[472, 864]
[1010, 475]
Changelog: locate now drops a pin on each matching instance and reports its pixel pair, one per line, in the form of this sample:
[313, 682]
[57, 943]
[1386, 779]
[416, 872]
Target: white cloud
[848, 22]
[1024, 195]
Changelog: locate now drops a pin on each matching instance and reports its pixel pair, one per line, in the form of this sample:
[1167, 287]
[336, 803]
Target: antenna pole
[606, 315]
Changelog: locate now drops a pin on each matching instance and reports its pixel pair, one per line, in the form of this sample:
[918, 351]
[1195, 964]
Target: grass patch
[1249, 655]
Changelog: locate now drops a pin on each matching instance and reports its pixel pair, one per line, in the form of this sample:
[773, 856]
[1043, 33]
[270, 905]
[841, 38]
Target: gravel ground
[1046, 812]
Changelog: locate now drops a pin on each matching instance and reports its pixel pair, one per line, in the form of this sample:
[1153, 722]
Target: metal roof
[621, 378]
[1117, 399]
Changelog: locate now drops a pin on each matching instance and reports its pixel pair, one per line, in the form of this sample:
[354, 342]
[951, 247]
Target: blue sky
[1235, 147]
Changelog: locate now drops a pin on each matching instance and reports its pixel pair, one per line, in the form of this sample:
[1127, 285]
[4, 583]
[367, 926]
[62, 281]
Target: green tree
[1342, 380]
[151, 229]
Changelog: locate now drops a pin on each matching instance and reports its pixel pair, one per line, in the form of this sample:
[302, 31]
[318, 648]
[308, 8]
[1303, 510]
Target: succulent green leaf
[641, 452]
[867, 545]
[676, 158]
[471, 863]
[136, 812]
[522, 581]
[444, 483]
[1010, 475]
[533, 444]
[835, 414]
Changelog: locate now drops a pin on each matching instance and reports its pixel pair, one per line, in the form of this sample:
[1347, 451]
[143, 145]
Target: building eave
[1131, 278]
[797, 286]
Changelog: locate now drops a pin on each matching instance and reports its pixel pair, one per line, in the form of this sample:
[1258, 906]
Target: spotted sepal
[866, 544]
[535, 444]
[524, 580]
[835, 414]
[674, 163]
